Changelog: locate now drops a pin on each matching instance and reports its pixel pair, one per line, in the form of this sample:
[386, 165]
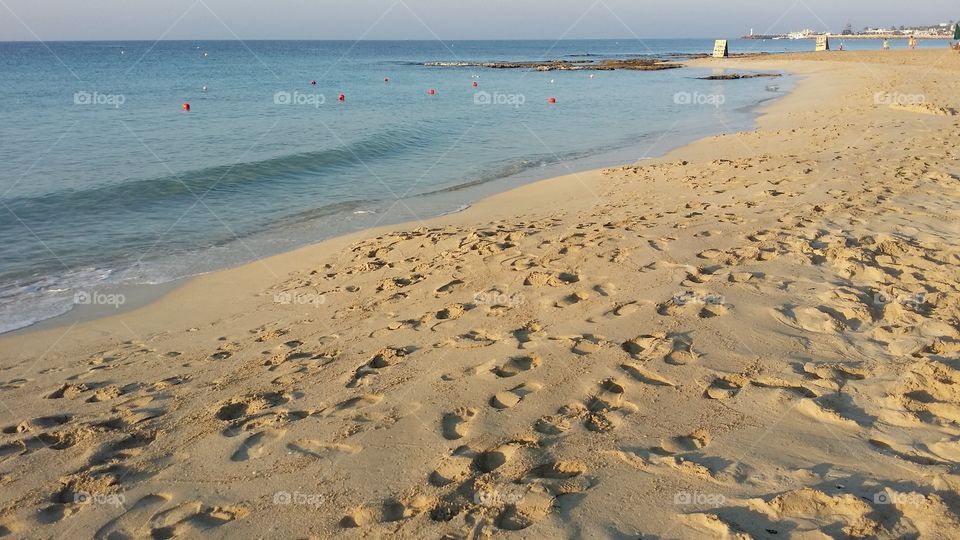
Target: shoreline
[753, 335]
[141, 296]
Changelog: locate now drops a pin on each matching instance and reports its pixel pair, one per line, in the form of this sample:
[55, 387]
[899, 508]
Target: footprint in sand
[359, 402]
[320, 449]
[648, 345]
[43, 422]
[533, 507]
[559, 470]
[450, 287]
[13, 384]
[706, 304]
[584, 345]
[782, 384]
[740, 277]
[384, 358]
[240, 408]
[474, 339]
[610, 396]
[681, 351]
[832, 375]
[541, 279]
[676, 349]
[517, 365]
[725, 387]
[485, 369]
[572, 299]
[645, 375]
[807, 318]
[134, 521]
[387, 357]
[552, 424]
[193, 519]
[269, 419]
[711, 254]
[69, 391]
[268, 334]
[400, 509]
[105, 394]
[61, 440]
[451, 312]
[456, 424]
[626, 309]
[12, 449]
[257, 445]
[508, 399]
[495, 458]
[454, 467]
[605, 409]
[359, 517]
[697, 440]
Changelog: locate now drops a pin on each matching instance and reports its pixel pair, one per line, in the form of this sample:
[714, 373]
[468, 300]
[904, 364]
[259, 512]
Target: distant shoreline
[855, 36]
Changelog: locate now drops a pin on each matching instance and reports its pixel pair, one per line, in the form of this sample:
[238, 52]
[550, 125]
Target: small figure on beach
[913, 42]
[886, 44]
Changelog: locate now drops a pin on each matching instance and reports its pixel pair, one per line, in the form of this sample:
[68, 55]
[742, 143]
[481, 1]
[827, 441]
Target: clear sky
[448, 19]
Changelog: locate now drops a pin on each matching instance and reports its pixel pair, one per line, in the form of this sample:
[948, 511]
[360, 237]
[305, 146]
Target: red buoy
[314, 83]
[475, 84]
[552, 100]
[432, 92]
[186, 107]
[342, 97]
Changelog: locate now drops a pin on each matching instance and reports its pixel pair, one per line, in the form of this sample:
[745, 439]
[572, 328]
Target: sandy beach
[755, 336]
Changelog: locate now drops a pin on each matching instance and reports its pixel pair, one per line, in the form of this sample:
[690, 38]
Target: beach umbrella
[956, 31]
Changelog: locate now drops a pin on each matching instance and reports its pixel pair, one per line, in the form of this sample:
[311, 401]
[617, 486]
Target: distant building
[803, 34]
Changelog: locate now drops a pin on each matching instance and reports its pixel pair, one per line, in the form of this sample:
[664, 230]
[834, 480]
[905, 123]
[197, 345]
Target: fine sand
[755, 336]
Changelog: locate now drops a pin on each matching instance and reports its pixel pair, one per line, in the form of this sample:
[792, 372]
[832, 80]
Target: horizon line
[114, 40]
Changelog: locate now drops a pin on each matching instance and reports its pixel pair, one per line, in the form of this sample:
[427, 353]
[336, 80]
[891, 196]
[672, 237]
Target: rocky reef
[634, 64]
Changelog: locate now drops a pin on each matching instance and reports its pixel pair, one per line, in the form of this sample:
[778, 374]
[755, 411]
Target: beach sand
[757, 335]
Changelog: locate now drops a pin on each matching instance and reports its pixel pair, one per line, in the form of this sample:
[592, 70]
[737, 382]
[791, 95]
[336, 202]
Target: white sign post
[720, 49]
[823, 43]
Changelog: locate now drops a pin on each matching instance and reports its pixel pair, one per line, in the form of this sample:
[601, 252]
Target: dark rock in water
[638, 64]
[635, 64]
[737, 76]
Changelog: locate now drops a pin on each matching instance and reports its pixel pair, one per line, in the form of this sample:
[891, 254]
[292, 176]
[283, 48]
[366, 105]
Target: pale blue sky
[447, 19]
